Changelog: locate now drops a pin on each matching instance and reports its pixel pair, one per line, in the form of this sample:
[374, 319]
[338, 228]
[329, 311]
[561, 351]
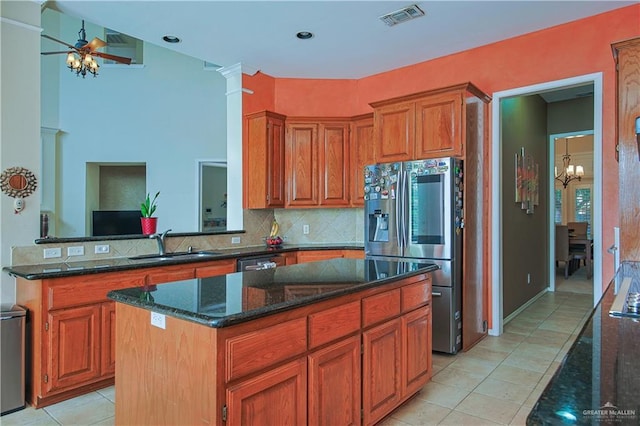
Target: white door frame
[496, 187]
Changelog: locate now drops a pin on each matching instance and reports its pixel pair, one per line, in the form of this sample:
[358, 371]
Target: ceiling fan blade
[59, 41]
[115, 58]
[94, 44]
[54, 53]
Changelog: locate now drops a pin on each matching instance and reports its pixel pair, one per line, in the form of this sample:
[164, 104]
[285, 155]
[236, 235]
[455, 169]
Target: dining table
[577, 241]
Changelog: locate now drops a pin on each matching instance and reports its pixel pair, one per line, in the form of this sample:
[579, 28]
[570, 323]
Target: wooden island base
[349, 360]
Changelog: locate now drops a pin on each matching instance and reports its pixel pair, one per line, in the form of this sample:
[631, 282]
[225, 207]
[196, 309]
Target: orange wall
[568, 50]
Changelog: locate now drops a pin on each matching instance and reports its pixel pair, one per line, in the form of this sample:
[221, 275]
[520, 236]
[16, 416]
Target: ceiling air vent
[402, 15]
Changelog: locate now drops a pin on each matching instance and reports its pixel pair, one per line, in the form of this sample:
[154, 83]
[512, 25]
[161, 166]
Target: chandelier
[568, 173]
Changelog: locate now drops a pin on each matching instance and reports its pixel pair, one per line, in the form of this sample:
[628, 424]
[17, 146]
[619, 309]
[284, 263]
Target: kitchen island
[335, 342]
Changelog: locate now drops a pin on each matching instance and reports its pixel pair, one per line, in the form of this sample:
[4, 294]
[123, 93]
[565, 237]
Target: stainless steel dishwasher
[12, 362]
[255, 263]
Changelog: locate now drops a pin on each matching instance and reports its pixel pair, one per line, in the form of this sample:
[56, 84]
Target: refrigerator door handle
[398, 203]
[436, 294]
[405, 209]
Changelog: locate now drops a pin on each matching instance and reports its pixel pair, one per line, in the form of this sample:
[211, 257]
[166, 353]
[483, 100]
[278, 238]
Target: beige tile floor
[496, 382]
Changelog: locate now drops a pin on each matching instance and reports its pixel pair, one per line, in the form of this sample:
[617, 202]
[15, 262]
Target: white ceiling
[350, 41]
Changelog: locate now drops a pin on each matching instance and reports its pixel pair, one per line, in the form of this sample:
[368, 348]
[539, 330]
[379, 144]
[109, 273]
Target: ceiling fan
[80, 57]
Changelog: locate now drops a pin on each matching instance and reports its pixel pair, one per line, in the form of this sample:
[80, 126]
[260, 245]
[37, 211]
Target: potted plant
[147, 208]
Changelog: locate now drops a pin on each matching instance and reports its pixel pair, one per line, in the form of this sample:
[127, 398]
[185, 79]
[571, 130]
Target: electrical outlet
[75, 251]
[49, 253]
[101, 248]
[158, 320]
[305, 229]
[235, 240]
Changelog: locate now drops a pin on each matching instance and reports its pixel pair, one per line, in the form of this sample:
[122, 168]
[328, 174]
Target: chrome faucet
[160, 240]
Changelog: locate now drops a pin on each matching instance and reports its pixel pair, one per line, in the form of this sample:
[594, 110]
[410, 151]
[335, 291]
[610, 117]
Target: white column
[233, 74]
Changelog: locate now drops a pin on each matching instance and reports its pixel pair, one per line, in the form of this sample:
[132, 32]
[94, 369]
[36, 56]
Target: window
[558, 206]
[583, 206]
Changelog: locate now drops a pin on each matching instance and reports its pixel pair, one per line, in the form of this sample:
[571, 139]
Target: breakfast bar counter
[343, 341]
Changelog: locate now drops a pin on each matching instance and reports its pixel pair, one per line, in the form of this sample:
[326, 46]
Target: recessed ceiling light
[171, 39]
[304, 35]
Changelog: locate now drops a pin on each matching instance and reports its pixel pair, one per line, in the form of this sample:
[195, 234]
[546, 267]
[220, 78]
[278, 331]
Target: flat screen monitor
[116, 222]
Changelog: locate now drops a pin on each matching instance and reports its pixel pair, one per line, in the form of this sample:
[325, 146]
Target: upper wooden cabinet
[627, 57]
[424, 125]
[362, 154]
[317, 163]
[263, 160]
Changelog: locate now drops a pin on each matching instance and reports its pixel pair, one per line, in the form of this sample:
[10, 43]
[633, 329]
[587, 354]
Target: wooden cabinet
[317, 163]
[439, 125]
[362, 154]
[264, 160]
[277, 397]
[396, 358]
[394, 131]
[334, 384]
[304, 256]
[72, 336]
[627, 56]
[74, 347]
[428, 124]
[381, 391]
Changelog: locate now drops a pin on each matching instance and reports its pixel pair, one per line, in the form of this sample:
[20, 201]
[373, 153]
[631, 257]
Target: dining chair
[562, 248]
[577, 228]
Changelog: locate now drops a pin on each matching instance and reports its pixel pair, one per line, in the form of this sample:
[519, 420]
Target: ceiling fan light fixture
[171, 39]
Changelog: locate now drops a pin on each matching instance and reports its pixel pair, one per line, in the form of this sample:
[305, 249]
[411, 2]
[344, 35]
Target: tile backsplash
[325, 226]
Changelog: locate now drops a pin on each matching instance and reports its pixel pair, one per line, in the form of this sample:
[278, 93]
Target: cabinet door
[416, 350]
[362, 154]
[263, 161]
[334, 164]
[302, 164]
[277, 397]
[394, 132]
[439, 126]
[74, 354]
[381, 382]
[108, 341]
[170, 273]
[334, 384]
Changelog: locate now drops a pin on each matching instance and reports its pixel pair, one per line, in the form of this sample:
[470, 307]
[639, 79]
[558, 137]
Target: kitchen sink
[175, 255]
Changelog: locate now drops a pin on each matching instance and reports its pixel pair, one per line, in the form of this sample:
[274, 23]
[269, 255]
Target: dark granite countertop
[598, 382]
[242, 296]
[68, 269]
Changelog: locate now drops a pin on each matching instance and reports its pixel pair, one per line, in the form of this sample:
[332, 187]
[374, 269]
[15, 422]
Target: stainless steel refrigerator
[413, 210]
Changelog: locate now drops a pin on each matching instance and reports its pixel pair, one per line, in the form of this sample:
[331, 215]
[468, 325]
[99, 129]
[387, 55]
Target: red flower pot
[149, 225]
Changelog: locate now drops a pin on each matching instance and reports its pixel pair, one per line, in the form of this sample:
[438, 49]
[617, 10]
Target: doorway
[497, 256]
[212, 180]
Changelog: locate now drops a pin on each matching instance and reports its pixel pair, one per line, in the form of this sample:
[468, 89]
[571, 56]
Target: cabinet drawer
[219, 268]
[331, 324]
[380, 307]
[164, 275]
[251, 352]
[416, 295]
[85, 291]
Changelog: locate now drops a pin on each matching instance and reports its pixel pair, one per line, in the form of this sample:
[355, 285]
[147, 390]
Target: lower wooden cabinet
[74, 347]
[381, 370]
[334, 384]
[277, 397]
[72, 326]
